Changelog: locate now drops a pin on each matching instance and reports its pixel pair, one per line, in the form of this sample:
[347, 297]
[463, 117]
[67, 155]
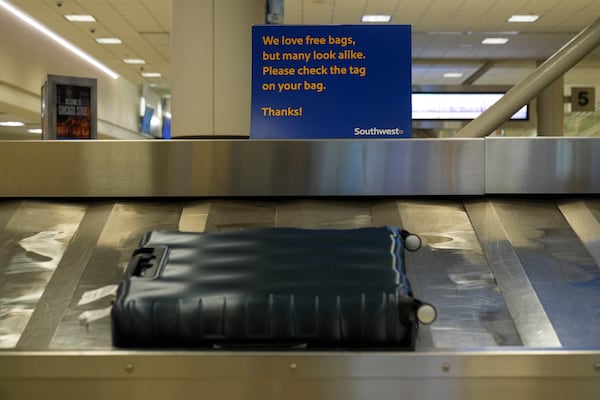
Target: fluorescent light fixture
[453, 75]
[134, 61]
[523, 18]
[35, 130]
[376, 18]
[80, 18]
[495, 40]
[109, 40]
[501, 33]
[151, 74]
[12, 123]
[58, 39]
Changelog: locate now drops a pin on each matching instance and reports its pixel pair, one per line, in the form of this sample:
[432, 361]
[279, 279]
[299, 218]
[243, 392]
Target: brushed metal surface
[121, 234]
[451, 270]
[558, 267]
[33, 243]
[452, 273]
[583, 217]
[473, 283]
[542, 165]
[49, 311]
[241, 168]
[300, 168]
[526, 310]
[336, 376]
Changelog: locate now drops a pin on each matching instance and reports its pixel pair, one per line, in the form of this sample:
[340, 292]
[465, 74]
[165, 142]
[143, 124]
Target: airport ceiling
[447, 34]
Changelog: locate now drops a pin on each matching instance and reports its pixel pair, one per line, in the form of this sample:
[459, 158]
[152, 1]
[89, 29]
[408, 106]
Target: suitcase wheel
[412, 242]
[426, 314]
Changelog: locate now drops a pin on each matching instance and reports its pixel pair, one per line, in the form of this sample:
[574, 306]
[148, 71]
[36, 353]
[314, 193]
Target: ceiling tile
[144, 27]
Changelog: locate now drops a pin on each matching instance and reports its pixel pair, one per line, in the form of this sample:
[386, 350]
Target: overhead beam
[479, 73]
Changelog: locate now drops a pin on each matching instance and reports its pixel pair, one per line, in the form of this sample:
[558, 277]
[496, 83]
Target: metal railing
[528, 88]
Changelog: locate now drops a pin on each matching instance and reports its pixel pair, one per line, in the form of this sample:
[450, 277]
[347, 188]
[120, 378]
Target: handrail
[524, 91]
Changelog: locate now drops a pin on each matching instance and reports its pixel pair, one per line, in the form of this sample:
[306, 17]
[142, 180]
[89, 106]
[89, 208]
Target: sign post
[331, 81]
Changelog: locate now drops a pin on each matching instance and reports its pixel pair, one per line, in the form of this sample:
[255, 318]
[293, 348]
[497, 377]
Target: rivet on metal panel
[129, 368]
[445, 367]
[293, 367]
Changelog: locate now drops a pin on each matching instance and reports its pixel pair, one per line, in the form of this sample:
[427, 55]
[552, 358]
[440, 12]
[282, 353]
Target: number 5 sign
[583, 99]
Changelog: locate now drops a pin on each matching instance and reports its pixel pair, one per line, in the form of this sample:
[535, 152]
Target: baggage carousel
[510, 259]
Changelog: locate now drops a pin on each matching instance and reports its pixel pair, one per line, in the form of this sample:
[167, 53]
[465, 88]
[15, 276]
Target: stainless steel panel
[521, 299]
[542, 165]
[33, 243]
[228, 214]
[386, 212]
[300, 167]
[53, 302]
[242, 168]
[563, 274]
[314, 214]
[452, 273]
[194, 216]
[452, 270]
[584, 218]
[121, 234]
[302, 375]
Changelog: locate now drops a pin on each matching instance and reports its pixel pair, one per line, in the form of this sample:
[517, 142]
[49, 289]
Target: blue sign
[331, 81]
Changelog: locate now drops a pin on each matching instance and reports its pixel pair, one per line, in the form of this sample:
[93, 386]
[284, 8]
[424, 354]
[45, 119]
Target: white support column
[211, 65]
[550, 110]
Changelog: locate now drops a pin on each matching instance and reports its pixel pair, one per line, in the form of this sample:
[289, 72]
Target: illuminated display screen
[457, 106]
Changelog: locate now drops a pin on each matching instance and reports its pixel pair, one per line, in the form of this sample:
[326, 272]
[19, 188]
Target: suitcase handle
[146, 262]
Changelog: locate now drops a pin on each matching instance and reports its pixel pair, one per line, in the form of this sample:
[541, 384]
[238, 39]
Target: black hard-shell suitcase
[268, 287]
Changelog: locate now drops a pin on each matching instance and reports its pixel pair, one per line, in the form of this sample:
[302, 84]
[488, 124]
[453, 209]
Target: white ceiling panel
[433, 73]
[144, 27]
[136, 14]
[387, 7]
[161, 11]
[506, 74]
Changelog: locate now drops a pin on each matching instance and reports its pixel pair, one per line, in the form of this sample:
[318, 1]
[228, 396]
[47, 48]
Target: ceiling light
[151, 74]
[35, 130]
[134, 61]
[376, 18]
[453, 75]
[12, 123]
[80, 18]
[523, 18]
[58, 39]
[109, 40]
[497, 40]
[500, 33]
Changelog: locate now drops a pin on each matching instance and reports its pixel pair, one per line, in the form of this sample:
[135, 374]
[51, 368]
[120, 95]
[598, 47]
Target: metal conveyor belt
[502, 272]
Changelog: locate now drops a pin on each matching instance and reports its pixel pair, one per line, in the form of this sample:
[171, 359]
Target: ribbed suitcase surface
[267, 287]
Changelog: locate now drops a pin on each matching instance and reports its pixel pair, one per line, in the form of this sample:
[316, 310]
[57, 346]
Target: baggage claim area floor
[515, 280]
